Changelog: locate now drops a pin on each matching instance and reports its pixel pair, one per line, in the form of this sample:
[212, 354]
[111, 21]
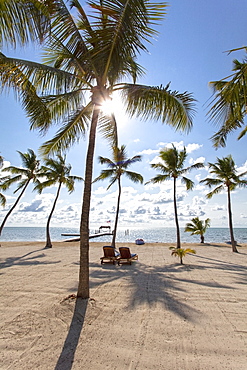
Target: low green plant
[181, 252]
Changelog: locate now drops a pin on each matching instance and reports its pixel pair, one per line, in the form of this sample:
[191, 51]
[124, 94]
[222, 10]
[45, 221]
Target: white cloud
[192, 147]
[197, 160]
[148, 151]
[242, 168]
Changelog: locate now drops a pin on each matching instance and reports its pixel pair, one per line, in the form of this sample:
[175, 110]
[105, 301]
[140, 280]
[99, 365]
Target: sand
[154, 314]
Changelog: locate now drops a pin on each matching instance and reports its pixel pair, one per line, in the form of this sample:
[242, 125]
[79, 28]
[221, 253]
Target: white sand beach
[153, 314]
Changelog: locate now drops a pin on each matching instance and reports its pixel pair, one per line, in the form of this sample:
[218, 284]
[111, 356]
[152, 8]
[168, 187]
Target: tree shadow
[22, 260]
[66, 358]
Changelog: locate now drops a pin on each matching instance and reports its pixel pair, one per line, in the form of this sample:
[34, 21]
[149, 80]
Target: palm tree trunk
[117, 214]
[13, 207]
[234, 249]
[176, 214]
[48, 238]
[202, 238]
[83, 286]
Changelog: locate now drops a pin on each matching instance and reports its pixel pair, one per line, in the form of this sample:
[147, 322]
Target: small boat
[139, 241]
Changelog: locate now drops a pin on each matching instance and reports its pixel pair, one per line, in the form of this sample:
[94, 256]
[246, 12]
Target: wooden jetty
[78, 239]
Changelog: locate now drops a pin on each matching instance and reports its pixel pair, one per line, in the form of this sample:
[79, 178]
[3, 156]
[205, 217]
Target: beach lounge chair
[126, 256]
[110, 256]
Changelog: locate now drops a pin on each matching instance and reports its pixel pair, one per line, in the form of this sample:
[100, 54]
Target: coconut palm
[181, 252]
[172, 167]
[84, 63]
[2, 179]
[56, 171]
[23, 176]
[117, 167]
[226, 178]
[197, 227]
[229, 107]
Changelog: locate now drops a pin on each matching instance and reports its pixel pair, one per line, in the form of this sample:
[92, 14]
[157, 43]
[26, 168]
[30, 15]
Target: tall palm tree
[229, 104]
[197, 227]
[117, 167]
[226, 178]
[2, 179]
[56, 172]
[172, 167]
[84, 63]
[23, 176]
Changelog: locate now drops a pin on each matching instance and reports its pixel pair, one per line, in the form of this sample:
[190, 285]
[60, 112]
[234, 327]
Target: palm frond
[228, 106]
[135, 177]
[189, 183]
[2, 200]
[159, 103]
[23, 21]
[216, 190]
[69, 133]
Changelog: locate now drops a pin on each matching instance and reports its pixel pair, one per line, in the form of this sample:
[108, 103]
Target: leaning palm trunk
[13, 207]
[233, 243]
[202, 238]
[117, 214]
[48, 238]
[176, 214]
[83, 286]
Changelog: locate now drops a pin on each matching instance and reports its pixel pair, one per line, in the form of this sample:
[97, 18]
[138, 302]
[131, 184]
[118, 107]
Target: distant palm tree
[23, 175]
[197, 227]
[56, 172]
[117, 166]
[226, 177]
[2, 197]
[172, 167]
[181, 252]
[229, 105]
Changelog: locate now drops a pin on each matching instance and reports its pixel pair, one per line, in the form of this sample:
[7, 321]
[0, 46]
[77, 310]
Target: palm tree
[181, 252]
[56, 172]
[23, 176]
[84, 63]
[2, 197]
[228, 107]
[117, 166]
[197, 227]
[172, 167]
[226, 177]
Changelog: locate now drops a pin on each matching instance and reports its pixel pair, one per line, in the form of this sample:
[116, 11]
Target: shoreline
[66, 243]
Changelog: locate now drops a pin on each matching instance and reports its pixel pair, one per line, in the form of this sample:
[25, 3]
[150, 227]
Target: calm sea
[152, 235]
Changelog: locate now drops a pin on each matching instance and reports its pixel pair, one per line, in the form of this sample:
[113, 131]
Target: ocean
[150, 235]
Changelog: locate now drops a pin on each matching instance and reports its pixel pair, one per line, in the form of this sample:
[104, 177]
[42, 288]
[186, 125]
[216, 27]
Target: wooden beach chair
[126, 256]
[109, 255]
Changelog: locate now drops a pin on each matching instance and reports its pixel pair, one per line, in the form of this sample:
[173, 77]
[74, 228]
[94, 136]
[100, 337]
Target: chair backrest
[109, 252]
[125, 252]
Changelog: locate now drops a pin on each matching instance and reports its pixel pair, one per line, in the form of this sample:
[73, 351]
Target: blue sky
[189, 52]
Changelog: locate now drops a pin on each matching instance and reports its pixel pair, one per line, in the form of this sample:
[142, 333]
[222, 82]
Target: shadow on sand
[66, 358]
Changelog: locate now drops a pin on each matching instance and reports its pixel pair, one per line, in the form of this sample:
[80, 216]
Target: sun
[115, 106]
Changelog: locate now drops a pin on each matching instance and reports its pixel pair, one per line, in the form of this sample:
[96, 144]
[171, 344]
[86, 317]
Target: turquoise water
[152, 235]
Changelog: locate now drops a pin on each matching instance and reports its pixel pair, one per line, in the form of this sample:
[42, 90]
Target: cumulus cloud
[218, 208]
[242, 168]
[35, 206]
[148, 152]
[140, 210]
[197, 160]
[180, 146]
[198, 201]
